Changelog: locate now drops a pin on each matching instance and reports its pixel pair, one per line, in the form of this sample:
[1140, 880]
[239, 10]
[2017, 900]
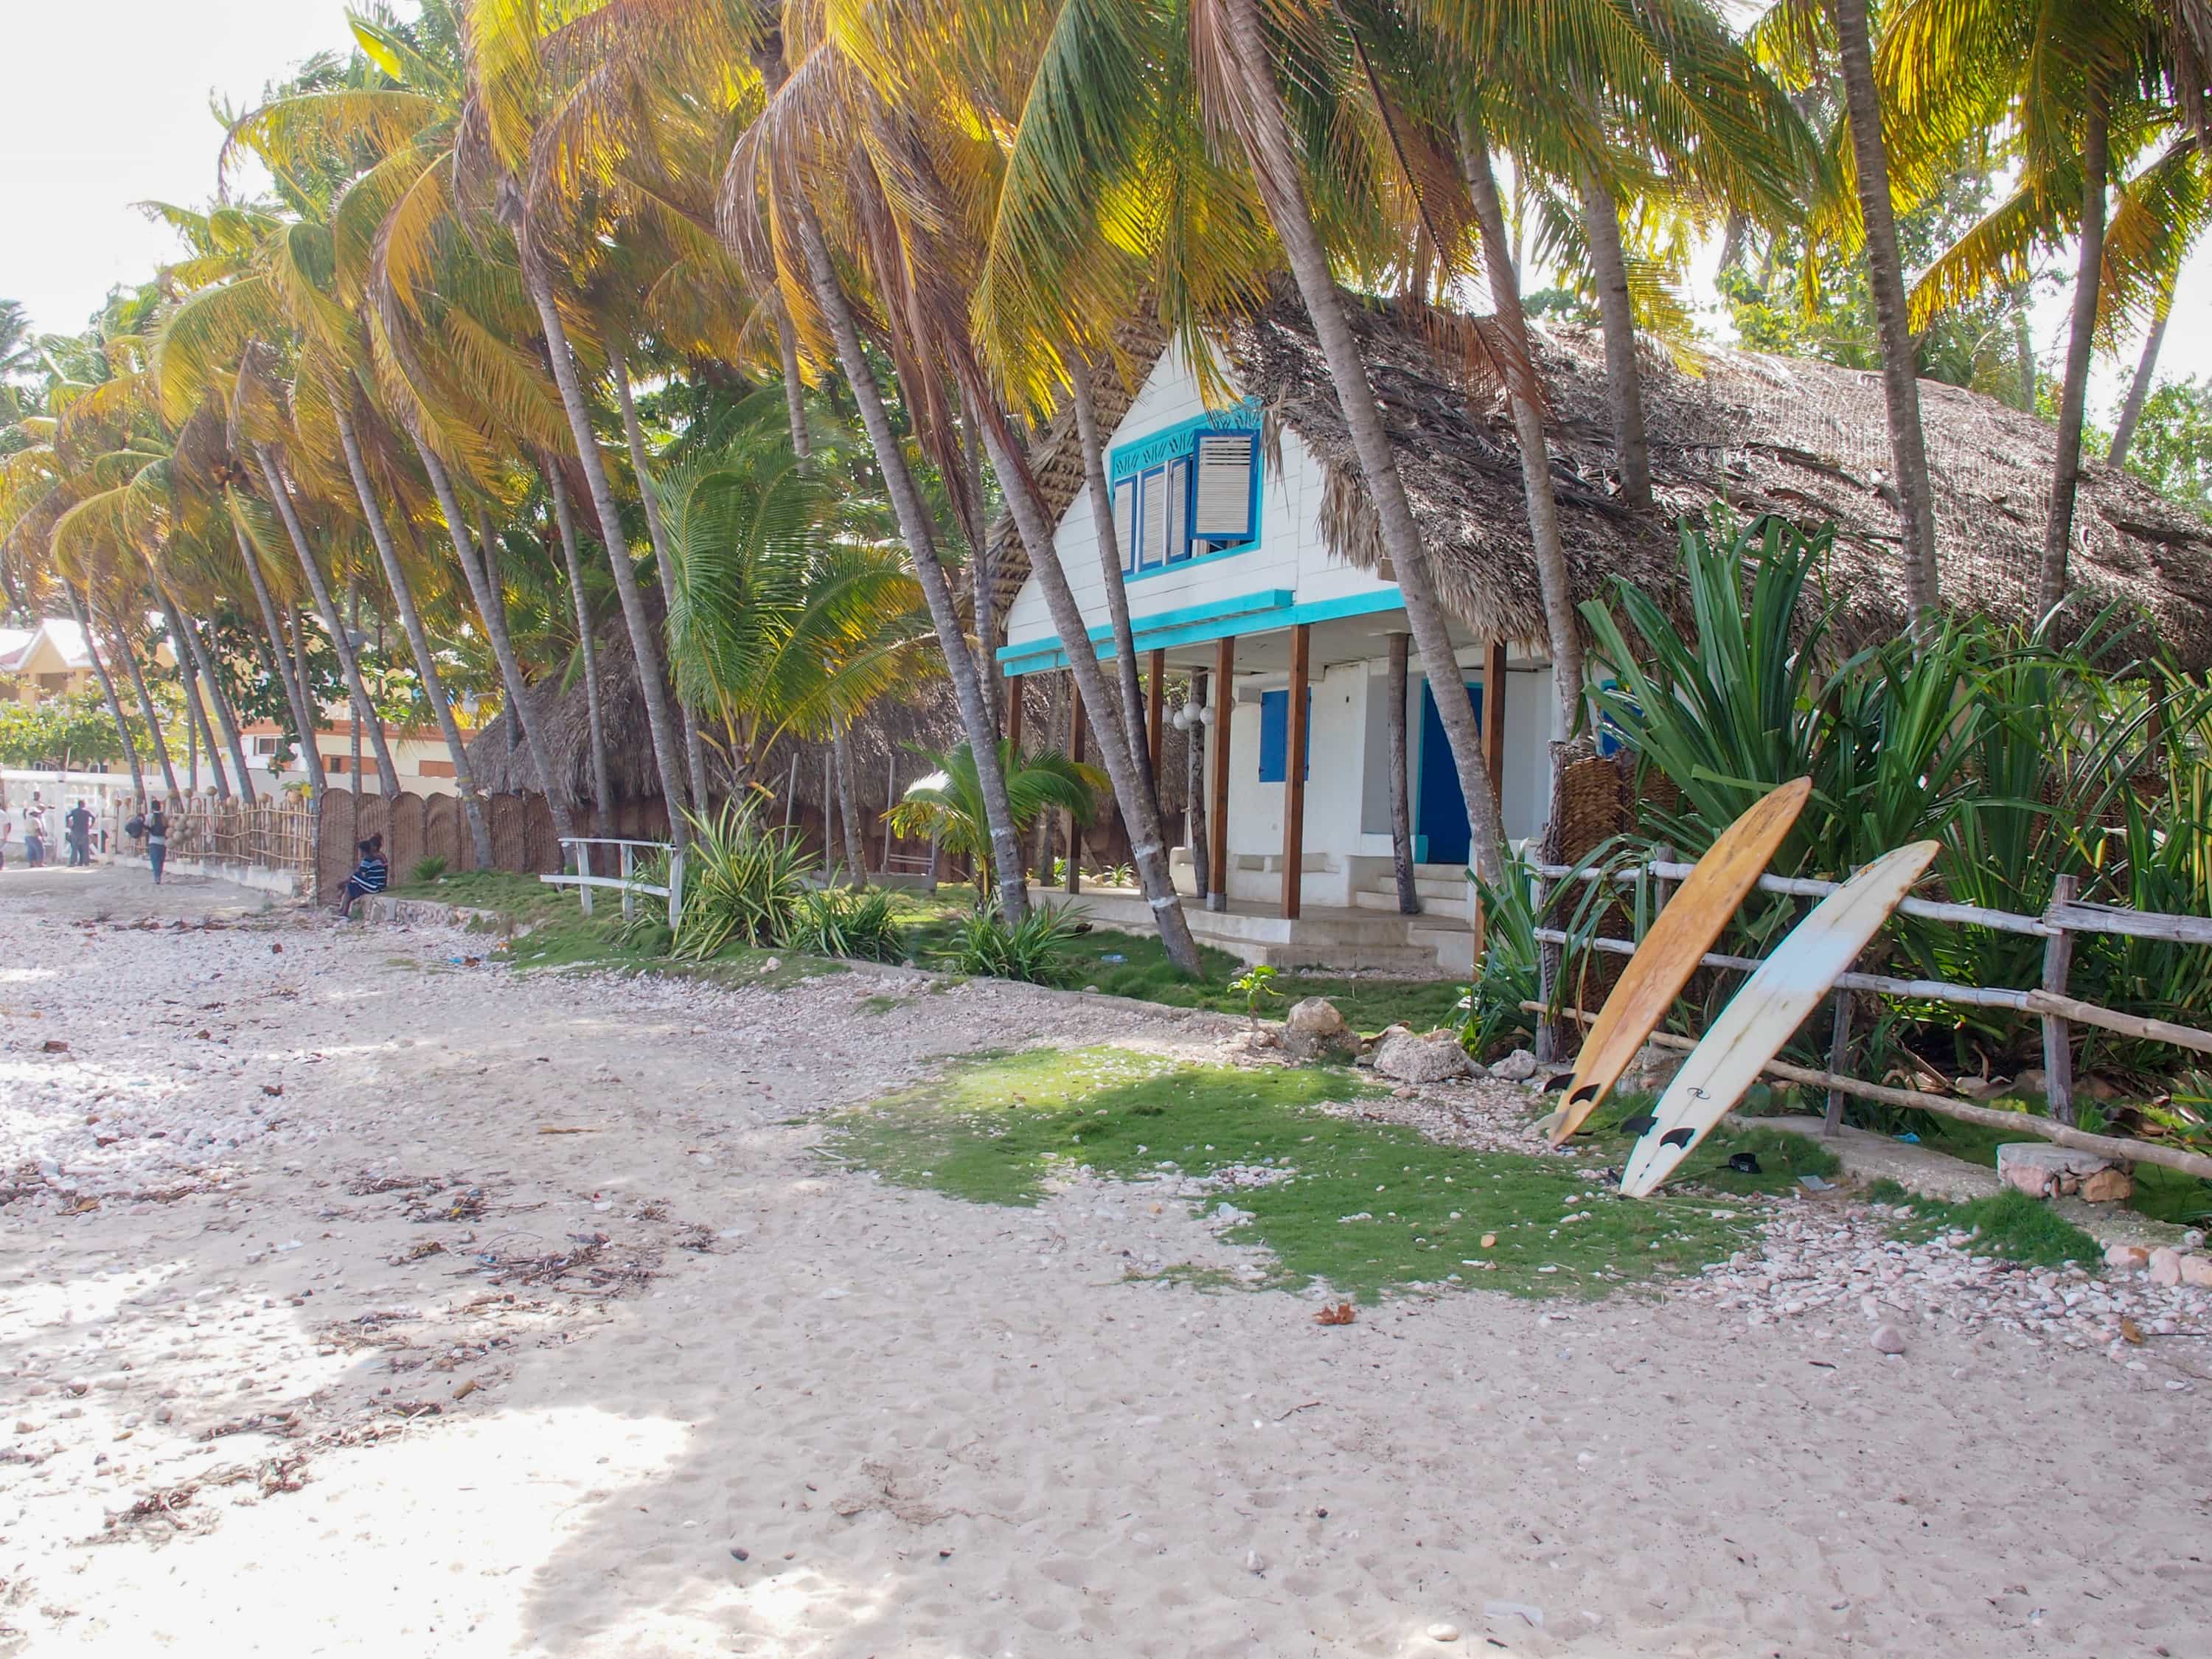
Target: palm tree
[948, 803]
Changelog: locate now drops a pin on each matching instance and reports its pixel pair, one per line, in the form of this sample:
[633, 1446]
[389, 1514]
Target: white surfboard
[1774, 1002]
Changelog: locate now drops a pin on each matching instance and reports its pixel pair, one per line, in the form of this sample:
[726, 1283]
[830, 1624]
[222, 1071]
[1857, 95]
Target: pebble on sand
[1443, 1632]
[1887, 1339]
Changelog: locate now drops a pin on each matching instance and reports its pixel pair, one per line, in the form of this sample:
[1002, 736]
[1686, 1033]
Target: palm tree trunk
[795, 388]
[107, 690]
[295, 695]
[1109, 567]
[2124, 435]
[564, 515]
[848, 807]
[2082, 338]
[211, 697]
[1623, 378]
[666, 756]
[426, 664]
[484, 586]
[695, 754]
[1140, 806]
[1553, 580]
[1276, 172]
[1900, 385]
[915, 528]
[1401, 815]
[983, 577]
[145, 708]
[279, 491]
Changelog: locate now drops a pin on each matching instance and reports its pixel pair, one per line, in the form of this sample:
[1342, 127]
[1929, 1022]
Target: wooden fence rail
[2058, 1012]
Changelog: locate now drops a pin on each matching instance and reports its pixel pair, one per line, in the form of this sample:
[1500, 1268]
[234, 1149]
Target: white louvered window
[1125, 522]
[1178, 495]
[1152, 546]
[1223, 511]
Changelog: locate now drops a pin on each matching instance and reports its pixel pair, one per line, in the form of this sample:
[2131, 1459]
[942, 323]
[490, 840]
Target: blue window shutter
[1223, 507]
[1275, 736]
[1125, 522]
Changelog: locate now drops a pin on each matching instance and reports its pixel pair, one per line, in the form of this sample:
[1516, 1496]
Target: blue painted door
[1440, 814]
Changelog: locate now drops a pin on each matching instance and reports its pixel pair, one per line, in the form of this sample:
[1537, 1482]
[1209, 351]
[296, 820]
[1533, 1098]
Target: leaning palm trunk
[2081, 340]
[556, 488]
[418, 641]
[145, 707]
[1139, 805]
[695, 754]
[365, 716]
[914, 529]
[1900, 386]
[107, 690]
[1623, 378]
[477, 566]
[667, 756]
[794, 388]
[295, 697]
[212, 698]
[199, 731]
[2123, 435]
[1268, 146]
[1109, 567]
[1553, 580]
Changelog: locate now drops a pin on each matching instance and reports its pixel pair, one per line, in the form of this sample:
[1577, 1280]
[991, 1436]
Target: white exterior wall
[1291, 554]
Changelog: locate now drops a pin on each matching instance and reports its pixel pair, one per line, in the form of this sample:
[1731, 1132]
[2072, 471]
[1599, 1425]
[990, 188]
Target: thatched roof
[501, 760]
[1790, 436]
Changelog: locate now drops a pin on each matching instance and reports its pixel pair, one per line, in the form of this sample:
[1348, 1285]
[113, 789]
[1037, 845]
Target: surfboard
[1680, 937]
[1774, 1002]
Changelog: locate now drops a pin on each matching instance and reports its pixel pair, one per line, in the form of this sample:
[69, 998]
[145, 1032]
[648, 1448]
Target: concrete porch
[1342, 939]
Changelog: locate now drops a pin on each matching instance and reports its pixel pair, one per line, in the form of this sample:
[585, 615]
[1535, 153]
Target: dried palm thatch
[1804, 439]
[501, 760]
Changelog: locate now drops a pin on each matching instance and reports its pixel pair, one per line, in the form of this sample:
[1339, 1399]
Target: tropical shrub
[846, 921]
[1033, 950]
[949, 802]
[427, 871]
[744, 882]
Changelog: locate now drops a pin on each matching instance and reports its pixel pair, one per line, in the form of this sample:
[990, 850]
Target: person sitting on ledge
[371, 875]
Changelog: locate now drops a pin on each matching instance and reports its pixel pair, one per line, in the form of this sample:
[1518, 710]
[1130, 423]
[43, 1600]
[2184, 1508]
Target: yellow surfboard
[1671, 951]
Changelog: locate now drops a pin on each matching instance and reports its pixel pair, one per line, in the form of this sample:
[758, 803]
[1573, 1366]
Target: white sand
[935, 1429]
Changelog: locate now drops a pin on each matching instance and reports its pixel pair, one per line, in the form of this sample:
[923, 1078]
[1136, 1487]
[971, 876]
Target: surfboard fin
[1681, 1137]
[1639, 1126]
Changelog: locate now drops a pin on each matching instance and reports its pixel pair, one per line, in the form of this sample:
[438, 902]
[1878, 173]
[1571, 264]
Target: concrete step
[1430, 889]
[1411, 961]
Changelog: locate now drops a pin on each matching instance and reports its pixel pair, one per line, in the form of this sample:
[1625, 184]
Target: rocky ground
[359, 1295]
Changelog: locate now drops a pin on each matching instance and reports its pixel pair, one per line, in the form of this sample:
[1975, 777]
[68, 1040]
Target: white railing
[627, 882]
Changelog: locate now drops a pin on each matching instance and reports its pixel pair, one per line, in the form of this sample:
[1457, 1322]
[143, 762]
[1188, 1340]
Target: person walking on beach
[371, 875]
[77, 824]
[157, 840]
[35, 834]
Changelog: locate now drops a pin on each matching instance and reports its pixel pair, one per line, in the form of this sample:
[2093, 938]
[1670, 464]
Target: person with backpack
[157, 841]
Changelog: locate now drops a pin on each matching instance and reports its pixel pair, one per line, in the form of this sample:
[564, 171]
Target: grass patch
[2008, 1224]
[1136, 965]
[2160, 1193]
[1368, 1205]
[1782, 1157]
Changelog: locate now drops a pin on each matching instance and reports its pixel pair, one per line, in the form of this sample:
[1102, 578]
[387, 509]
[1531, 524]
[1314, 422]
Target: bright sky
[108, 105]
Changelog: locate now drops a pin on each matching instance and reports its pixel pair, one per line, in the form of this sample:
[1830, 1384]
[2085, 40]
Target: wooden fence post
[584, 893]
[1839, 1044]
[2057, 1035]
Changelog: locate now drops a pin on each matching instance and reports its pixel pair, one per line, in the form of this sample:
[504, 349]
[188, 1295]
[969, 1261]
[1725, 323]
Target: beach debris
[737, 1554]
[1443, 1632]
[1887, 1339]
[1341, 1314]
[1255, 1563]
[54, 1046]
[1745, 1164]
[1523, 1610]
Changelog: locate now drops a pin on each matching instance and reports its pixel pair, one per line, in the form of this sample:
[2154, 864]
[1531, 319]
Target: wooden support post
[584, 894]
[1294, 772]
[1493, 717]
[2057, 1034]
[1839, 1051]
[1663, 888]
[1074, 881]
[1396, 692]
[1156, 706]
[1014, 700]
[1224, 712]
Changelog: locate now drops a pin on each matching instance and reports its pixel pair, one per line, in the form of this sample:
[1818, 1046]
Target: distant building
[418, 755]
[49, 660]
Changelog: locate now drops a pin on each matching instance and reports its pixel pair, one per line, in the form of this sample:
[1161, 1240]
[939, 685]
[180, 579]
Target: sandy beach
[359, 1295]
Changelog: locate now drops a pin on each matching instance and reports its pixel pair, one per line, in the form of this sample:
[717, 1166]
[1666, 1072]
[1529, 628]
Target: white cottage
[1253, 571]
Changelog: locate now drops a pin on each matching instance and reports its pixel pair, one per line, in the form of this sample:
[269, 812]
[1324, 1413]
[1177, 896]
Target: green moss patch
[1366, 1206]
[2008, 1224]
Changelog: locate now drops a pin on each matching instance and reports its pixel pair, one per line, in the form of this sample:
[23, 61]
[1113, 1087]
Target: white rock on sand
[783, 1408]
